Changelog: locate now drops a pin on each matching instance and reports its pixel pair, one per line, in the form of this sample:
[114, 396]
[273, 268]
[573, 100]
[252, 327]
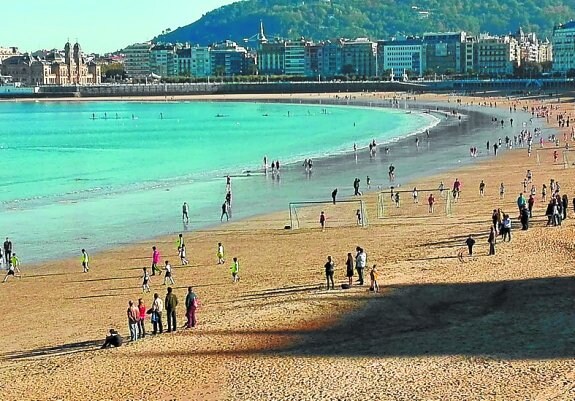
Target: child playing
[358, 215]
[235, 269]
[322, 221]
[373, 276]
[145, 281]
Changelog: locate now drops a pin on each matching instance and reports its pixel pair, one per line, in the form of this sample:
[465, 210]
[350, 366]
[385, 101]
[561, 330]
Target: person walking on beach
[235, 269]
[356, 191]
[155, 261]
[142, 318]
[481, 188]
[373, 278]
[133, 318]
[501, 191]
[183, 255]
[171, 302]
[322, 220]
[358, 216]
[185, 213]
[415, 195]
[544, 193]
[431, 202]
[333, 195]
[530, 203]
[506, 228]
[180, 242]
[349, 268]
[224, 212]
[396, 199]
[191, 306]
[470, 241]
[491, 240]
[145, 281]
[168, 275]
[7, 250]
[329, 271]
[85, 260]
[220, 255]
[360, 262]
[157, 310]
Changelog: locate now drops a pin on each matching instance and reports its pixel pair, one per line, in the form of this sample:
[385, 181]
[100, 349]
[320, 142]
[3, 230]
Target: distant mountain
[377, 19]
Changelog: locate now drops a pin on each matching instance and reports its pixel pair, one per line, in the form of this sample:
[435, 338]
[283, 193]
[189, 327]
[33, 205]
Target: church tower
[68, 60]
[78, 63]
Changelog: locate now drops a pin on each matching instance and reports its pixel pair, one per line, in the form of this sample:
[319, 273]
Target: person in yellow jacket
[235, 269]
[85, 260]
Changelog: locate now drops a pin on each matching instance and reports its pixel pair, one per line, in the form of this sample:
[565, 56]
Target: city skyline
[110, 26]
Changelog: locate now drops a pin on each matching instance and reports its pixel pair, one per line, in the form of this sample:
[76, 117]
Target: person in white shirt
[168, 275]
[157, 309]
[221, 259]
[360, 263]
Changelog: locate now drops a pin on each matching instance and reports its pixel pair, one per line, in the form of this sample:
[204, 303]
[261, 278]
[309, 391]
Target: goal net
[408, 206]
[343, 213]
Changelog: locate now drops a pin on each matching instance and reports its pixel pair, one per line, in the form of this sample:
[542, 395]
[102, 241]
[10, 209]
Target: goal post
[344, 213]
[386, 204]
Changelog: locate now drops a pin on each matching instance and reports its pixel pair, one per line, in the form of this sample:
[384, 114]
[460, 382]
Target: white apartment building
[137, 60]
[401, 56]
[564, 47]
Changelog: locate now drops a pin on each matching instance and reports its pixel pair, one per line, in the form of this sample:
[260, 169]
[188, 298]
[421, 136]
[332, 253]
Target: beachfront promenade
[492, 327]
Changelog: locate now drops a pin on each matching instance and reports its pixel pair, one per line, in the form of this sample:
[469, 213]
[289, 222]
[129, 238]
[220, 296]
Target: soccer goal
[343, 213]
[388, 207]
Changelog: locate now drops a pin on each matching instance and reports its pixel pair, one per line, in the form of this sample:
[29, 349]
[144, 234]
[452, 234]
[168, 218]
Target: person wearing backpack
[191, 307]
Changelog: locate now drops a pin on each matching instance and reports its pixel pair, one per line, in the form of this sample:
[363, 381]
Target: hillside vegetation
[377, 19]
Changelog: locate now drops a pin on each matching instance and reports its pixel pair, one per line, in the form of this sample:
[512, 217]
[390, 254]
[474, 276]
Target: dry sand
[488, 328]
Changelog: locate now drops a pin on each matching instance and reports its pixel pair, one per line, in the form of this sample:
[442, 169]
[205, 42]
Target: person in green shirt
[85, 260]
[13, 267]
[235, 269]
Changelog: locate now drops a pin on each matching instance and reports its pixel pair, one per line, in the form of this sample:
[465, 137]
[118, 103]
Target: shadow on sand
[517, 319]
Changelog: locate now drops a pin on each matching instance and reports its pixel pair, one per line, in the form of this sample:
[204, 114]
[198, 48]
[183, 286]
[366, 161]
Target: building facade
[163, 60]
[227, 59]
[69, 68]
[496, 56]
[564, 47]
[361, 56]
[444, 52]
[137, 60]
[403, 57]
[201, 62]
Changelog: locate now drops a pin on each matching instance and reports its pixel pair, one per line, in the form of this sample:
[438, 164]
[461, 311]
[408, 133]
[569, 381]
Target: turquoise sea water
[99, 174]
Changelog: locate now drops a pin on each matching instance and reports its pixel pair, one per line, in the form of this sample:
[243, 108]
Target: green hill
[377, 19]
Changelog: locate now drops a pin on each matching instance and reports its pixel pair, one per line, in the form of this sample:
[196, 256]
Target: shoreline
[332, 160]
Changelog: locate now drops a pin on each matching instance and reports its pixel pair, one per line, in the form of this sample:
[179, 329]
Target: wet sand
[487, 328]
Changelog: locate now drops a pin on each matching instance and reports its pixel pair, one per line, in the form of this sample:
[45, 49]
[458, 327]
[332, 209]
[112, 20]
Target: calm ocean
[100, 174]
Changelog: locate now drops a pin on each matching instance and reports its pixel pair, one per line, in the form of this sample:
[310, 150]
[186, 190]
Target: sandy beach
[482, 328]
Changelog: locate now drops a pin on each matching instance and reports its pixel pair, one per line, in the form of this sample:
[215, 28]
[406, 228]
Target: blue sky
[99, 26]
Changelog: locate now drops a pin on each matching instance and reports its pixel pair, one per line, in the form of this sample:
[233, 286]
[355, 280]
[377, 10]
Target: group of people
[137, 315]
[360, 263]
[10, 260]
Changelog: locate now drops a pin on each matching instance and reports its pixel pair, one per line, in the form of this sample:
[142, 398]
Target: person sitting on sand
[113, 340]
